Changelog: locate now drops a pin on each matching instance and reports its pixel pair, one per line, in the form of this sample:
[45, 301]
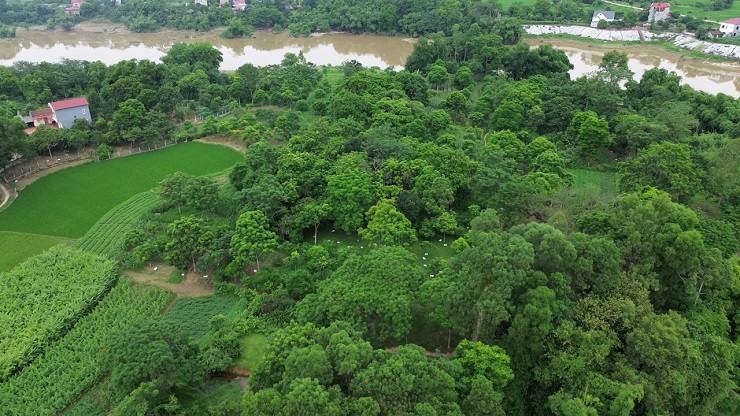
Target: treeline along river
[333, 49]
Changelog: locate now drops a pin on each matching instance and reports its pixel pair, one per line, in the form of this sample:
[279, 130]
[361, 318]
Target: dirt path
[27, 180]
[6, 195]
[237, 145]
[193, 286]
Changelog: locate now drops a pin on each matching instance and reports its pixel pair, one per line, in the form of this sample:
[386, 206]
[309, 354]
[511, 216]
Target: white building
[601, 15]
[730, 28]
[202, 2]
[659, 11]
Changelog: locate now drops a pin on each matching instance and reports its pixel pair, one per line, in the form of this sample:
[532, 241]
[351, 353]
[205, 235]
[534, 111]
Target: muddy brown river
[333, 49]
[264, 49]
[706, 75]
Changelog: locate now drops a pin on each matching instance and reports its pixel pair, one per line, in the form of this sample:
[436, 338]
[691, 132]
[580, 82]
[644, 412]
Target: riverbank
[697, 48]
[264, 48]
[88, 26]
[703, 74]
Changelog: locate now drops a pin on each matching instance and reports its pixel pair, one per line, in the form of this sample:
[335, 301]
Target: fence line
[21, 171]
[15, 173]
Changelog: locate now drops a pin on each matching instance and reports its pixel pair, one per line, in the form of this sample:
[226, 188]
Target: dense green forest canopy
[408, 17]
[418, 242]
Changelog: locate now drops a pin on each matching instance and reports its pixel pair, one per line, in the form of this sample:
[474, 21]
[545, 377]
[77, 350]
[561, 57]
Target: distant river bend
[333, 49]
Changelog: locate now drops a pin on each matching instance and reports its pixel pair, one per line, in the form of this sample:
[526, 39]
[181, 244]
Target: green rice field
[67, 203]
[17, 247]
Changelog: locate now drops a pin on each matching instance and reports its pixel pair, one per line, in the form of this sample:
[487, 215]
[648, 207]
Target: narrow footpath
[6, 195]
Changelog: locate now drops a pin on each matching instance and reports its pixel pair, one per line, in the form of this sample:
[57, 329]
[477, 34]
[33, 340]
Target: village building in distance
[659, 11]
[74, 10]
[60, 114]
[730, 28]
[599, 15]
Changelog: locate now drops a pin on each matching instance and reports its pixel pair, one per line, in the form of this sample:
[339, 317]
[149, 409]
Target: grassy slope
[252, 348]
[17, 247]
[507, 3]
[606, 182]
[67, 203]
[193, 315]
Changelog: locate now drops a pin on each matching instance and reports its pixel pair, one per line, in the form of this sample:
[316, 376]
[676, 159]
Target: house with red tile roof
[659, 11]
[74, 9]
[239, 5]
[730, 28]
[44, 116]
[66, 112]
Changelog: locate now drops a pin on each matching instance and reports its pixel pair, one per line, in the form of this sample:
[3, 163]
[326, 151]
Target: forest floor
[193, 285]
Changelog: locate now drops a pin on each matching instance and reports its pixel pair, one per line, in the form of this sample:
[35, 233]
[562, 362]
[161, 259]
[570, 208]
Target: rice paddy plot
[17, 247]
[67, 203]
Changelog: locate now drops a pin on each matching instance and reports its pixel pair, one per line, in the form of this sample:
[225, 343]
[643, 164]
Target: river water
[262, 50]
[706, 75]
[333, 49]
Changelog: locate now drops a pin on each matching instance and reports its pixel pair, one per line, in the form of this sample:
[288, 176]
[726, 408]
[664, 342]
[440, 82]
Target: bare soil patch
[5, 197]
[193, 286]
[237, 145]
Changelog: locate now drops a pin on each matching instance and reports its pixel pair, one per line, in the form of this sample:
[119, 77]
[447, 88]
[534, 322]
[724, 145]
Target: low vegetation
[68, 283]
[69, 366]
[109, 233]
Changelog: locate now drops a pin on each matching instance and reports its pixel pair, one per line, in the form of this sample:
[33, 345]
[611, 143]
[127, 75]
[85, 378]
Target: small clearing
[237, 145]
[193, 286]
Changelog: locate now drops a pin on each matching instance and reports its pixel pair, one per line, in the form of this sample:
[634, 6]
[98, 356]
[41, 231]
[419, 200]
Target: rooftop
[733, 21]
[42, 113]
[660, 5]
[607, 14]
[70, 103]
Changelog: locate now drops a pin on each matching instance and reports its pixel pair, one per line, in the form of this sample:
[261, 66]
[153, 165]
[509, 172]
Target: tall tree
[386, 225]
[667, 166]
[350, 190]
[189, 238]
[590, 132]
[252, 238]
[479, 283]
[371, 291]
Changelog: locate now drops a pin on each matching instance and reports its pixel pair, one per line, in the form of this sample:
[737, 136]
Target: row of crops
[193, 316]
[71, 365]
[42, 298]
[109, 233]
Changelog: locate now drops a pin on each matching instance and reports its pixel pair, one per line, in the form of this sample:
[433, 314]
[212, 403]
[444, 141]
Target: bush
[105, 151]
